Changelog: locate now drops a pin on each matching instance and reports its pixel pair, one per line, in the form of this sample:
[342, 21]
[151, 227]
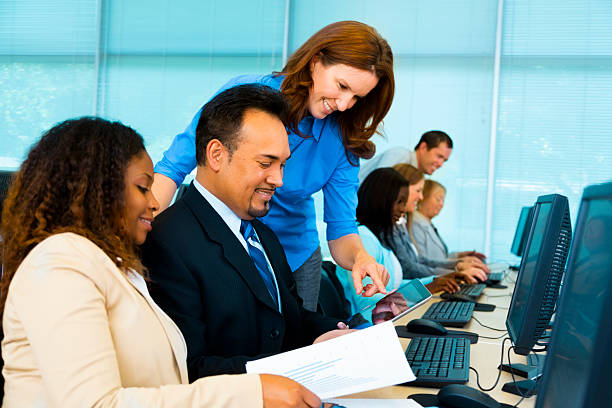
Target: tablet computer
[398, 302]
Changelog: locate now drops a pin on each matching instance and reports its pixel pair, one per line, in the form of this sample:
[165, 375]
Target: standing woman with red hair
[340, 86]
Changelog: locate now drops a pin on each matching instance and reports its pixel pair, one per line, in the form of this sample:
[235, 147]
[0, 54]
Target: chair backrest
[332, 301]
[6, 177]
[181, 192]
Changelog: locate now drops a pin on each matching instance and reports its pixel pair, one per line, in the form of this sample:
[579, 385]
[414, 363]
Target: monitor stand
[532, 370]
[525, 388]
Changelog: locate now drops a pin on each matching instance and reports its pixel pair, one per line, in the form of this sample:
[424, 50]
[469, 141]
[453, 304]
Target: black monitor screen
[519, 234]
[573, 352]
[540, 273]
[523, 284]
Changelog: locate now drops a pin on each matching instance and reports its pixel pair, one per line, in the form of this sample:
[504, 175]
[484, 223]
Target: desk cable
[499, 370]
[523, 396]
[488, 327]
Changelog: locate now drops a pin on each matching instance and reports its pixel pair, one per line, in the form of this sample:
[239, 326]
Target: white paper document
[360, 361]
[374, 403]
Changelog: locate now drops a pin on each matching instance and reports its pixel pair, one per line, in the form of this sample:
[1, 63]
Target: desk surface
[484, 355]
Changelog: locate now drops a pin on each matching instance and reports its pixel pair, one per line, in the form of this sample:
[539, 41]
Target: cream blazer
[80, 333]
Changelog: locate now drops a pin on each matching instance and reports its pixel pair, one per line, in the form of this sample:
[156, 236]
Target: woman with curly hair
[339, 85]
[80, 328]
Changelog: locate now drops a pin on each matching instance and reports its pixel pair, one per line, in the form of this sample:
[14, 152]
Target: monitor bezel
[598, 377]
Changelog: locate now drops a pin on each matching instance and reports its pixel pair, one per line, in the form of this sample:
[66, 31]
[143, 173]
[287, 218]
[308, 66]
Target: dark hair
[221, 118]
[73, 180]
[433, 138]
[376, 198]
[359, 46]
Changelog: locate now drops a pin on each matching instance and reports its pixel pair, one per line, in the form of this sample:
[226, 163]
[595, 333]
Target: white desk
[484, 355]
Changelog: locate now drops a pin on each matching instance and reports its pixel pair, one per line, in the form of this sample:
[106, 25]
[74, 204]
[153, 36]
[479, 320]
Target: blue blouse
[317, 163]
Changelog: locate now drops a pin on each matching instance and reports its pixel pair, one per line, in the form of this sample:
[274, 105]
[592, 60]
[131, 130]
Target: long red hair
[357, 45]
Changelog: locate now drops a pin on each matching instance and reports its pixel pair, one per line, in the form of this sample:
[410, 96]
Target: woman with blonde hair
[427, 239]
[339, 85]
[80, 329]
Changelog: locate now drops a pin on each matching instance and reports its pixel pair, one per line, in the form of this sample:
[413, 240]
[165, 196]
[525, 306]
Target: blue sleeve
[340, 200]
[180, 158]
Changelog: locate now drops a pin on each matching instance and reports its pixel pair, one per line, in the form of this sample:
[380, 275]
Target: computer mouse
[462, 396]
[426, 326]
[457, 297]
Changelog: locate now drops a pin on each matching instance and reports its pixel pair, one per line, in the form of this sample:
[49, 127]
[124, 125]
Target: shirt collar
[226, 214]
[310, 126]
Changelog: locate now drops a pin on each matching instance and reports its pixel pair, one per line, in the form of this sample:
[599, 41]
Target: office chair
[332, 301]
[6, 177]
[181, 192]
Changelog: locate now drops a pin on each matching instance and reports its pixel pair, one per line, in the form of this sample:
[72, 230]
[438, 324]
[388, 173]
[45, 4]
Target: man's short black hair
[221, 118]
[433, 138]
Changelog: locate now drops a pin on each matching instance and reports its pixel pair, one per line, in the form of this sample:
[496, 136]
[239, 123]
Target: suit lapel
[217, 231]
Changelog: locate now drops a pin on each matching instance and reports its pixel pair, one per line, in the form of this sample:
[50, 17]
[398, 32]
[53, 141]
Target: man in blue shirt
[218, 271]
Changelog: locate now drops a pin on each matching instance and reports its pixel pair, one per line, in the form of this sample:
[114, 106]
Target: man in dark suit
[231, 292]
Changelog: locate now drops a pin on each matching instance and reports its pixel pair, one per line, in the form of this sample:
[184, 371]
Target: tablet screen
[397, 303]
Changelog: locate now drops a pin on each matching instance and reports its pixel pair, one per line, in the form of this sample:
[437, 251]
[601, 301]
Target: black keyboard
[438, 361]
[475, 290]
[496, 276]
[452, 314]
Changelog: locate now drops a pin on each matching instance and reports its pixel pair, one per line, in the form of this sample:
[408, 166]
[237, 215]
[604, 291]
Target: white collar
[226, 214]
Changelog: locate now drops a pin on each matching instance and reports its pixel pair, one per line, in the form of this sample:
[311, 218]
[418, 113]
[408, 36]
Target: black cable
[488, 327]
[499, 370]
[535, 383]
[494, 338]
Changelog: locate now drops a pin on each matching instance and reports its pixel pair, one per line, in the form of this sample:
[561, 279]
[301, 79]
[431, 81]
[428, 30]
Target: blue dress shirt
[317, 163]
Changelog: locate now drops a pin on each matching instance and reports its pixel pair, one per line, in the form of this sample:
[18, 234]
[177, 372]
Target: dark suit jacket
[201, 275]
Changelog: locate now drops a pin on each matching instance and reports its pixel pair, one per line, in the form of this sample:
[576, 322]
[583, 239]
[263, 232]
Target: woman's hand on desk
[471, 275]
[446, 283]
[475, 262]
[476, 254]
[281, 392]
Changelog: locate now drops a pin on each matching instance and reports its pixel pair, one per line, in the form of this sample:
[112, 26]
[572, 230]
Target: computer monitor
[540, 272]
[522, 231]
[577, 371]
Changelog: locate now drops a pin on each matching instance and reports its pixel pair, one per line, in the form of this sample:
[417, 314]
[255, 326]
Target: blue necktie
[259, 258]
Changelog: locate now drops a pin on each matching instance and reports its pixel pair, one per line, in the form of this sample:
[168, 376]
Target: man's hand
[332, 334]
[366, 265]
[281, 392]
